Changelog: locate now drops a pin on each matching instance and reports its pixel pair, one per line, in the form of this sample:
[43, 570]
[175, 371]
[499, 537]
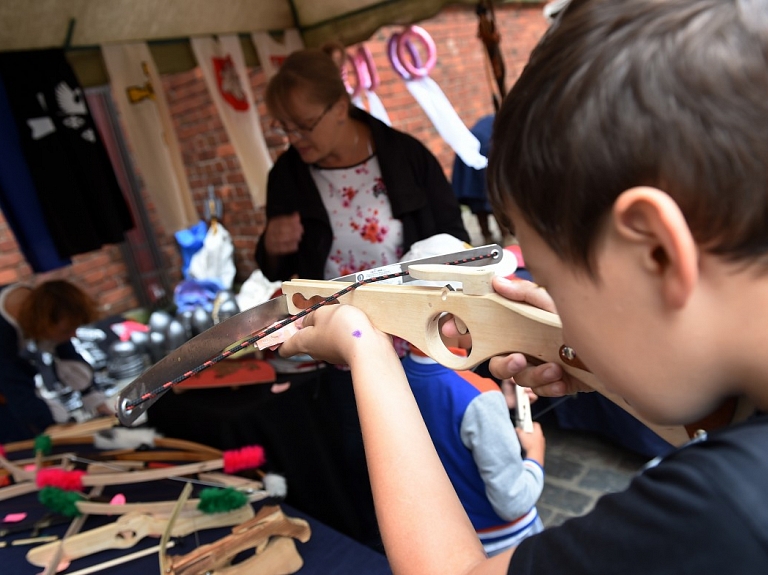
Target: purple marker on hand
[357, 333]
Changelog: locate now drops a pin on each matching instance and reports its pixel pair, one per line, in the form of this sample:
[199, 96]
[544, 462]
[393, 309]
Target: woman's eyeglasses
[299, 131]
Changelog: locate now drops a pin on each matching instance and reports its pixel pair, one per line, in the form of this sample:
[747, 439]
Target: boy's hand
[337, 334]
[547, 379]
[533, 443]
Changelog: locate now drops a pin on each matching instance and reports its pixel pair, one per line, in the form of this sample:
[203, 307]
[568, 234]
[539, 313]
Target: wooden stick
[121, 560]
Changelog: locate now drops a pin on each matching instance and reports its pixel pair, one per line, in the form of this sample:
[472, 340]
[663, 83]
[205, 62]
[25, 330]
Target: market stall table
[327, 551]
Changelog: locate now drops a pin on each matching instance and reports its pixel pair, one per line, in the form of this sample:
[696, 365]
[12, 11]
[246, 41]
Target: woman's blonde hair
[53, 302]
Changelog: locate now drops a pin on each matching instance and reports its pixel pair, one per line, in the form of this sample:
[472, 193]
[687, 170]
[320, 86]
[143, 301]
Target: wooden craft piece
[279, 557]
[133, 527]
[257, 533]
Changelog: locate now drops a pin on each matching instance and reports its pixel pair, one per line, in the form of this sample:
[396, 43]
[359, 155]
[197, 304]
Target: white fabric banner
[272, 52]
[447, 122]
[137, 91]
[375, 106]
[223, 66]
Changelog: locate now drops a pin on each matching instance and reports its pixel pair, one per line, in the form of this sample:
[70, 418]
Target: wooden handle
[498, 327]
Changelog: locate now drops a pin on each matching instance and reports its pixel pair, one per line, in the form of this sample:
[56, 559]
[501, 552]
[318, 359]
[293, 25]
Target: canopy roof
[82, 25]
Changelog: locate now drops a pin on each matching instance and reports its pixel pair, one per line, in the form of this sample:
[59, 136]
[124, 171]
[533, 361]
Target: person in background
[36, 322]
[350, 193]
[470, 185]
[468, 419]
[629, 161]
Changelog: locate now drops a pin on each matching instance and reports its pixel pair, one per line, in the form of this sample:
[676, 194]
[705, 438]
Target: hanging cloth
[18, 199]
[79, 195]
[272, 52]
[223, 67]
[137, 91]
[446, 121]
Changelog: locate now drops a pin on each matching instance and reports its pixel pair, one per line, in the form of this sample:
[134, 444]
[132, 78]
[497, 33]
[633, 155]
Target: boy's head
[631, 158]
[625, 93]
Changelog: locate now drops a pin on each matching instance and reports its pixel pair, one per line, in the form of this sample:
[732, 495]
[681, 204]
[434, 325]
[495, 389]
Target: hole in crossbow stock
[449, 351]
[128, 535]
[303, 303]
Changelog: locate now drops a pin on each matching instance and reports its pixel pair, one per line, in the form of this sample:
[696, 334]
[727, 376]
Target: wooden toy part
[261, 533]
[474, 281]
[124, 477]
[523, 410]
[279, 557]
[132, 528]
[498, 327]
[254, 490]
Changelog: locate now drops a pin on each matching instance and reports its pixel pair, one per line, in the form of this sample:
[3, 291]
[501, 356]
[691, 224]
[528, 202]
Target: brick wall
[209, 157]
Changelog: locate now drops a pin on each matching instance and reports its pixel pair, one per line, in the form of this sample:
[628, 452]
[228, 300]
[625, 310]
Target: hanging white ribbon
[375, 106]
[447, 122]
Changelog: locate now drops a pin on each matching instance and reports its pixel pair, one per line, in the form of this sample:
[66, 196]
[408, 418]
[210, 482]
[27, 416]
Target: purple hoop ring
[403, 43]
[394, 58]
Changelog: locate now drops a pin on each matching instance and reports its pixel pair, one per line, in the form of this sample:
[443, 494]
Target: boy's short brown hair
[623, 93]
[53, 302]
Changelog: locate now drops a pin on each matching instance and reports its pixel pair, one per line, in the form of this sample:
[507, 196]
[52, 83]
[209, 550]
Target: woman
[35, 320]
[349, 193]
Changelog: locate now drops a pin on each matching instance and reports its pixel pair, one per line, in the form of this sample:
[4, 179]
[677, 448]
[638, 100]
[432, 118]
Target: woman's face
[60, 332]
[312, 128]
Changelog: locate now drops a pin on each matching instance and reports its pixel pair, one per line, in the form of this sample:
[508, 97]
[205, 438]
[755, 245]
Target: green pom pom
[44, 444]
[60, 501]
[216, 500]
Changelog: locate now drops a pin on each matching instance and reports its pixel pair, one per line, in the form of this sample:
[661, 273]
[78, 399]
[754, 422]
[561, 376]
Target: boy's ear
[653, 222]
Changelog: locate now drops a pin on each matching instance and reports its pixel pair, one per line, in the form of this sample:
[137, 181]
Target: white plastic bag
[215, 259]
[256, 289]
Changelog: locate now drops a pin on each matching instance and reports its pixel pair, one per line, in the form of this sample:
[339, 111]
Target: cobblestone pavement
[579, 468]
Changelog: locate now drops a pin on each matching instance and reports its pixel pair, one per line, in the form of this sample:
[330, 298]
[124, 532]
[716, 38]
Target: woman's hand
[283, 234]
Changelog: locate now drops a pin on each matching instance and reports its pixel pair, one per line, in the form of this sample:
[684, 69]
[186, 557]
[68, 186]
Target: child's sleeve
[513, 485]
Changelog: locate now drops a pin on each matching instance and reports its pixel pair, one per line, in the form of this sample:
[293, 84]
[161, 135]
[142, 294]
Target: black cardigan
[419, 194]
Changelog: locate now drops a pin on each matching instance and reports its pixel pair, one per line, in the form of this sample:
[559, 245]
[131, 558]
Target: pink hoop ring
[394, 58]
[362, 72]
[365, 60]
[352, 91]
[417, 70]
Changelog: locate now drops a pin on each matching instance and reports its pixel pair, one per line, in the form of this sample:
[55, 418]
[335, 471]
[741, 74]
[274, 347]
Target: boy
[630, 159]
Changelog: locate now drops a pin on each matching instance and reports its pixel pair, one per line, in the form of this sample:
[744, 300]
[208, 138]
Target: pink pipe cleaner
[245, 458]
[66, 480]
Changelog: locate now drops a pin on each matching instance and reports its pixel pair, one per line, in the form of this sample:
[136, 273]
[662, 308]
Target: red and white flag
[137, 91]
[223, 66]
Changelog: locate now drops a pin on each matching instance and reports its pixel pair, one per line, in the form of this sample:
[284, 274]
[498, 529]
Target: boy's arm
[423, 525]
